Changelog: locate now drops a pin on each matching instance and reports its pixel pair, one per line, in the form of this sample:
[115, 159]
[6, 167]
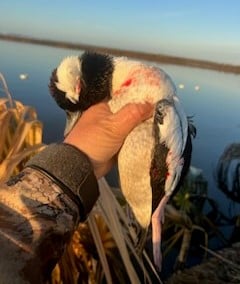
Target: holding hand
[100, 134]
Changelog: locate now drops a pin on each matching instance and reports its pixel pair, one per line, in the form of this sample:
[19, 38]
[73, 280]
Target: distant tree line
[153, 57]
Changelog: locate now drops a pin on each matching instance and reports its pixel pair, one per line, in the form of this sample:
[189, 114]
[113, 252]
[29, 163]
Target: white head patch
[68, 74]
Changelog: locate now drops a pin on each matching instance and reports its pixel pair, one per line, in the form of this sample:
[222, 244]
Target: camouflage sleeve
[38, 214]
[72, 171]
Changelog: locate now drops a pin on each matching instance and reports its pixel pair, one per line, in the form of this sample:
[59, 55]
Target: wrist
[71, 170]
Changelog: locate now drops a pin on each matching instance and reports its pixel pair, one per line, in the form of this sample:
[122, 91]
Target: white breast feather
[134, 161]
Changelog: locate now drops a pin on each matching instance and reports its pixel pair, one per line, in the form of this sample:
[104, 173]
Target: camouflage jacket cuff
[72, 171]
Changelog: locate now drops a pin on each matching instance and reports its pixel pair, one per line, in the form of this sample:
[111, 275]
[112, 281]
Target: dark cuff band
[71, 169]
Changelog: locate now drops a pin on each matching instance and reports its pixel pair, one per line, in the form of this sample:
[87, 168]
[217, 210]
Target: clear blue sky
[207, 29]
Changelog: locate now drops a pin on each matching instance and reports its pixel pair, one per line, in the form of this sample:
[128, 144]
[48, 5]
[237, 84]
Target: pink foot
[157, 221]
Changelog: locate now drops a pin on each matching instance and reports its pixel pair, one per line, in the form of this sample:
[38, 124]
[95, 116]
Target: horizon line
[153, 57]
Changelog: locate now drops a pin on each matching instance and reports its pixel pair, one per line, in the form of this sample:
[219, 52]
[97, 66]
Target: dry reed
[21, 133]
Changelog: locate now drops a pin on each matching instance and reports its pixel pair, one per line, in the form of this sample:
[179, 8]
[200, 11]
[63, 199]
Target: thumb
[131, 115]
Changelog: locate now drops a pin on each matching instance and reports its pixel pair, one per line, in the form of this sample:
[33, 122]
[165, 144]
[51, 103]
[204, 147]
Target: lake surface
[215, 106]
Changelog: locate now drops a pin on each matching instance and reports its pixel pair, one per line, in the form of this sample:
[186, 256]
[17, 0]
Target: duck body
[156, 155]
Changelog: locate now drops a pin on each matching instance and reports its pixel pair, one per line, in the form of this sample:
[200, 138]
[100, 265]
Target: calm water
[215, 106]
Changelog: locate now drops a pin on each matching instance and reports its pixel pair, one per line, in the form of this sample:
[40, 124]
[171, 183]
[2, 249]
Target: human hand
[100, 134]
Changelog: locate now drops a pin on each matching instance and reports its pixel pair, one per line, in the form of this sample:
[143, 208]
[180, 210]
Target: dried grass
[21, 133]
[102, 249]
[222, 268]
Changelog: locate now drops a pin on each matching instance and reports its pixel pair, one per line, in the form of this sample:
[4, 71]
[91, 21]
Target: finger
[131, 115]
[94, 113]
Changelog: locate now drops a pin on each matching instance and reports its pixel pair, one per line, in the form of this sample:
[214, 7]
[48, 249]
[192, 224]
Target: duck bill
[72, 118]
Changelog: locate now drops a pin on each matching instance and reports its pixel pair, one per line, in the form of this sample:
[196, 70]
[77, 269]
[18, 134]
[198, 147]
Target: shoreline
[222, 267]
[152, 57]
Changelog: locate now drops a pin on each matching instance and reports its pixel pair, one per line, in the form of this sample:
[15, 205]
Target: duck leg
[157, 221]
